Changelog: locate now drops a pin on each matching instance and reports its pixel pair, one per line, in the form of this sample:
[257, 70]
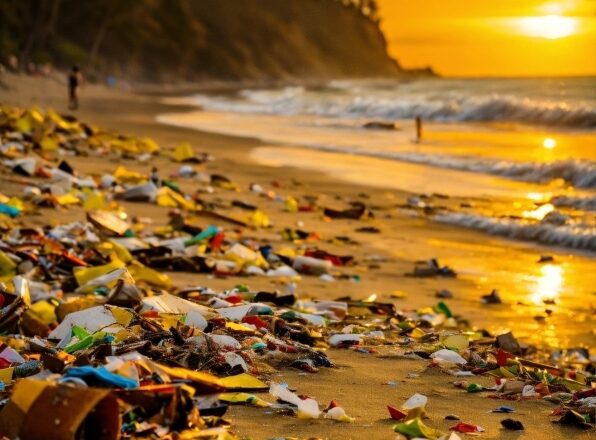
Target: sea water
[525, 147]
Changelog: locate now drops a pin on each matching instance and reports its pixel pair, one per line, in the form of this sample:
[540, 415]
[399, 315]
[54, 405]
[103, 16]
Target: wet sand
[358, 381]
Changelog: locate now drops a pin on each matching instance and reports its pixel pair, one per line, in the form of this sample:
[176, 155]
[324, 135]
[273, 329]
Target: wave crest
[447, 107]
[545, 233]
[579, 203]
[579, 173]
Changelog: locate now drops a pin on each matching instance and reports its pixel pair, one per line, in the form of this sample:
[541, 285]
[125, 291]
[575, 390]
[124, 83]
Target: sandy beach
[359, 381]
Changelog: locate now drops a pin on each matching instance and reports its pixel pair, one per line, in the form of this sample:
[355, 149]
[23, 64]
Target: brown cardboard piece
[40, 409]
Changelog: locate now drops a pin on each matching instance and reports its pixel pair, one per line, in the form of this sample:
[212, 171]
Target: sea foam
[541, 232]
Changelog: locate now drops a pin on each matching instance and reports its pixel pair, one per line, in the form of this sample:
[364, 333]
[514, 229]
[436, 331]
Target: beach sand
[358, 382]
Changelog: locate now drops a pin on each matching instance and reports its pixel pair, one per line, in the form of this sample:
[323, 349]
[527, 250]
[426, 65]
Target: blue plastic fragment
[503, 409]
[100, 377]
[9, 210]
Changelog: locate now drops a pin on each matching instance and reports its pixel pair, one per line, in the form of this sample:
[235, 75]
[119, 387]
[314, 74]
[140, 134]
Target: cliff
[167, 40]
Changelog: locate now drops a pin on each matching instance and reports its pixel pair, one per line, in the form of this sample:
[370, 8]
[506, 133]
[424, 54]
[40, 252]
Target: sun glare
[548, 26]
[548, 285]
[549, 143]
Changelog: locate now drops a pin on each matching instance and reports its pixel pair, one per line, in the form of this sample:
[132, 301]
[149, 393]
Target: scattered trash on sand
[98, 341]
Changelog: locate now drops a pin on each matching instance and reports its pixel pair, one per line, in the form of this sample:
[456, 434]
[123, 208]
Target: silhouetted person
[418, 128]
[74, 80]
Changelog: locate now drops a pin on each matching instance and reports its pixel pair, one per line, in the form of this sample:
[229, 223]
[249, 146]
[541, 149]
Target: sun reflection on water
[548, 285]
[539, 213]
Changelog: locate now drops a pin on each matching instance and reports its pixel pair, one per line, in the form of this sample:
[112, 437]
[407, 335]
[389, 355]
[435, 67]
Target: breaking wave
[545, 233]
[579, 203]
[579, 173]
[446, 107]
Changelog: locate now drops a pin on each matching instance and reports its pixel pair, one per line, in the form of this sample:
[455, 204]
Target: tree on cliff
[168, 40]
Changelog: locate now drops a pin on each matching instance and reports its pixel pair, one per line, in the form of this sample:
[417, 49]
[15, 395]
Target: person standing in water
[418, 129]
[74, 80]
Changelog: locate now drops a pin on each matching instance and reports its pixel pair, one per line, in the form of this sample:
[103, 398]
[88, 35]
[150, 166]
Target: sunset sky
[493, 38]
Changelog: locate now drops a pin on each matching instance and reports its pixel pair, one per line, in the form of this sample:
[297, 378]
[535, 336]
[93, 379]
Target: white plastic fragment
[307, 408]
[529, 391]
[339, 339]
[416, 401]
[233, 360]
[196, 319]
[282, 271]
[167, 303]
[450, 356]
[92, 319]
[236, 313]
[339, 414]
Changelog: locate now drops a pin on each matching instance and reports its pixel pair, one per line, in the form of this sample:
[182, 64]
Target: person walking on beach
[74, 80]
[418, 129]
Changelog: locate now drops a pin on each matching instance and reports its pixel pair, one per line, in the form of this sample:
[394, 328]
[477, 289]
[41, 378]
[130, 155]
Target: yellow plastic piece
[68, 199]
[85, 274]
[48, 144]
[24, 125]
[45, 311]
[95, 200]
[151, 276]
[124, 175]
[121, 252]
[7, 266]
[247, 398]
[259, 219]
[148, 145]
[169, 198]
[291, 204]
[236, 327]
[243, 381]
[6, 374]
[572, 385]
[287, 252]
[17, 203]
[122, 316]
[417, 333]
[457, 342]
[35, 115]
[72, 127]
[170, 319]
[194, 376]
[183, 152]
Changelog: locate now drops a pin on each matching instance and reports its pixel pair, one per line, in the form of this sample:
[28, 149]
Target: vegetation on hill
[164, 40]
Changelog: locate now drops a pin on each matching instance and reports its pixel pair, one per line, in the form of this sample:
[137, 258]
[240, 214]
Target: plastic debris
[305, 408]
[467, 428]
[396, 414]
[448, 356]
[432, 268]
[503, 409]
[492, 298]
[512, 425]
[88, 310]
[416, 428]
[337, 413]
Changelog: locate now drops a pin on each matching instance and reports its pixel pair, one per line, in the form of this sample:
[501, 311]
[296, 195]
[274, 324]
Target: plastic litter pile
[97, 342]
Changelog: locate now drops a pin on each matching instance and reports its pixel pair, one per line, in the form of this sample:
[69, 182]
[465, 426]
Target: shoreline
[360, 380]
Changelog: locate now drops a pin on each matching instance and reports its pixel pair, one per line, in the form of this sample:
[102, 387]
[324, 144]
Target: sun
[548, 26]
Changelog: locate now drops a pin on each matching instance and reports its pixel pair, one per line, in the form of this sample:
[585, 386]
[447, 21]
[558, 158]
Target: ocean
[523, 149]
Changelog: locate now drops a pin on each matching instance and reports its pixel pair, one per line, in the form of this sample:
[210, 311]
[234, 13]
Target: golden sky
[493, 37]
